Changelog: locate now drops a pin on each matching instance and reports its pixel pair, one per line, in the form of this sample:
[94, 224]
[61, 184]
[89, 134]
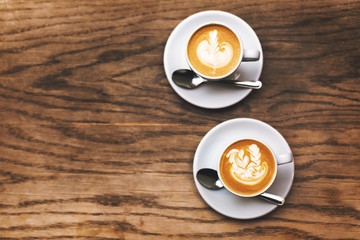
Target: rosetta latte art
[246, 165]
[214, 54]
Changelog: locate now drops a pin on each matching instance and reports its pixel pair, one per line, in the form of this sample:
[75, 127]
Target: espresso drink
[214, 50]
[247, 167]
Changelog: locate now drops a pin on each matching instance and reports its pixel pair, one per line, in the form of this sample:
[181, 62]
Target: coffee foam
[214, 54]
[214, 50]
[246, 165]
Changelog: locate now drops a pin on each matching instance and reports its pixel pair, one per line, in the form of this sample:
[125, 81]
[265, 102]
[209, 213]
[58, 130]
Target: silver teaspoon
[188, 79]
[209, 179]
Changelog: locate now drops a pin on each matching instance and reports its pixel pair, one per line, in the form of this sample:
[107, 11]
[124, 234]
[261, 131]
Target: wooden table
[95, 144]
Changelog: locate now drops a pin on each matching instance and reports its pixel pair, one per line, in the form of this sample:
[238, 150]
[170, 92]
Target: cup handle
[284, 158]
[251, 55]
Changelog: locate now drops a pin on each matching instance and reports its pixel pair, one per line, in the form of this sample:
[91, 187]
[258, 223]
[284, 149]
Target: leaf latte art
[214, 54]
[246, 165]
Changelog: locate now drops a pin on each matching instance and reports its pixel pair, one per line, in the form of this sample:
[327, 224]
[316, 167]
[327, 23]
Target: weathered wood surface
[95, 144]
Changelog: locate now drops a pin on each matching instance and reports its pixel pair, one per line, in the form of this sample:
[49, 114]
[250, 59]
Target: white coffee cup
[215, 56]
[239, 175]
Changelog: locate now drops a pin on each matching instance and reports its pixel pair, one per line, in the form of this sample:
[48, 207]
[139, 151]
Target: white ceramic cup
[279, 160]
[246, 55]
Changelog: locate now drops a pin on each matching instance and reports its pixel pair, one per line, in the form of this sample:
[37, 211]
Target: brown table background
[95, 144]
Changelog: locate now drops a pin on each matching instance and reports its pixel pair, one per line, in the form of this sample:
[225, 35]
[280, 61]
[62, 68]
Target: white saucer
[211, 95]
[206, 157]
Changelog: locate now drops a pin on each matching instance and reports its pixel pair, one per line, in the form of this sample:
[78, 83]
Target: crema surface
[247, 167]
[214, 50]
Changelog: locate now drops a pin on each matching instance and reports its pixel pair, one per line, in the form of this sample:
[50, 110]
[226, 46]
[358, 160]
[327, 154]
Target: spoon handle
[272, 198]
[248, 84]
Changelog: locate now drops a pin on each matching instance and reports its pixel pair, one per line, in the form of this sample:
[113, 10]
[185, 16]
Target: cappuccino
[214, 51]
[247, 167]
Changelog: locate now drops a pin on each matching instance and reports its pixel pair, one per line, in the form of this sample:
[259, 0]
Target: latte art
[246, 165]
[214, 54]
[214, 51]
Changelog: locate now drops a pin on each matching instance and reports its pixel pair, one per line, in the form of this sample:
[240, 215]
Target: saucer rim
[177, 30]
[208, 135]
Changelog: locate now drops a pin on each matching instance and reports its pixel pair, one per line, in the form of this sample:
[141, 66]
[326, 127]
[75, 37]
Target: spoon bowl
[209, 178]
[188, 79]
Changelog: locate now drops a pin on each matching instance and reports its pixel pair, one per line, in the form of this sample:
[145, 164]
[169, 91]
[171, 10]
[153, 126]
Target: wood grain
[95, 144]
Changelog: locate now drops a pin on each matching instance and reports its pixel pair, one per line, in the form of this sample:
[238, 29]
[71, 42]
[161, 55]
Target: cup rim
[241, 139]
[239, 60]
